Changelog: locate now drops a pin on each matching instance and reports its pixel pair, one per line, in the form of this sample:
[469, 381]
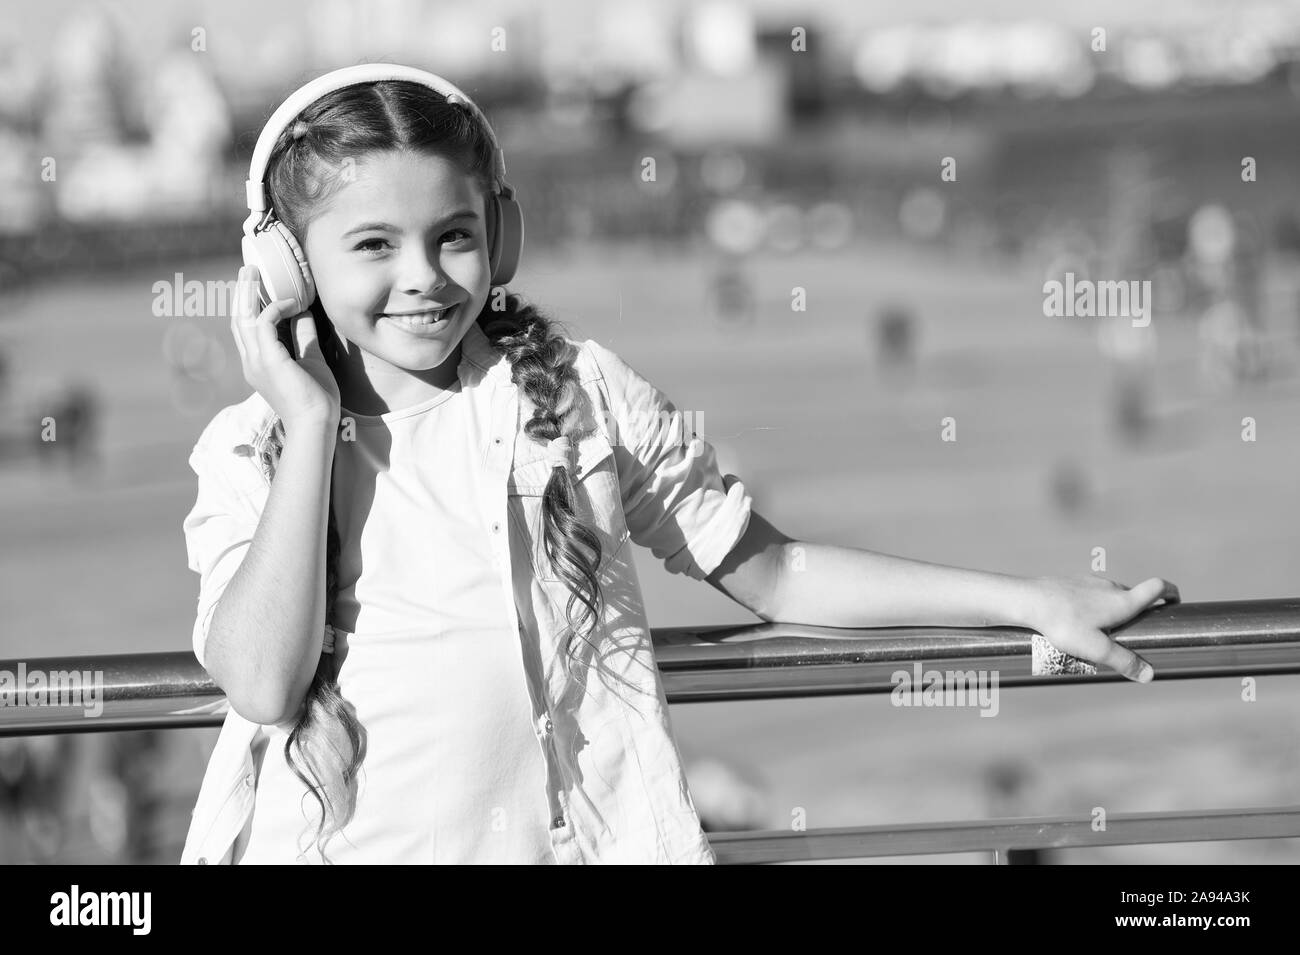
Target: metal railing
[771, 661]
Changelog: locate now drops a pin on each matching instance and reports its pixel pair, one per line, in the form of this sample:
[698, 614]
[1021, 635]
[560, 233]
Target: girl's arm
[669, 485]
[791, 581]
[267, 629]
[831, 586]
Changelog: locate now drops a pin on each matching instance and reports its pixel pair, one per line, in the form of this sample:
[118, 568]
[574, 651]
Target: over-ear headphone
[272, 248]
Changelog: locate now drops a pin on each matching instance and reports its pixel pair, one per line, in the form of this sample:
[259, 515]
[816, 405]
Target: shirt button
[557, 822]
[544, 725]
[248, 780]
[496, 440]
[202, 861]
[496, 527]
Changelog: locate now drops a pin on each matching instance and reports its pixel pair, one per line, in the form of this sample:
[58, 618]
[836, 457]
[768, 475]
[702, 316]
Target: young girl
[416, 586]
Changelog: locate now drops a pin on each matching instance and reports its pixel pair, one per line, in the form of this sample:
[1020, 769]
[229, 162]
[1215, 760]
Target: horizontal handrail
[1001, 835]
[758, 661]
[767, 661]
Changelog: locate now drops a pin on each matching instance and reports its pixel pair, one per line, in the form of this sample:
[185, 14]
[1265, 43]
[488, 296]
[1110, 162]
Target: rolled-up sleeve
[218, 530]
[675, 499]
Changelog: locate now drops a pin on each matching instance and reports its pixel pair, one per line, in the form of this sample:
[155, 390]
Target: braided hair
[327, 740]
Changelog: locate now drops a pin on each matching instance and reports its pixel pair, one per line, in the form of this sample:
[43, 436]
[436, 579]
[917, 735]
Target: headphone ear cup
[308, 286]
[507, 238]
[282, 265]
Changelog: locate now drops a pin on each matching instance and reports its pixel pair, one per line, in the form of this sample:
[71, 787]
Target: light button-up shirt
[613, 768]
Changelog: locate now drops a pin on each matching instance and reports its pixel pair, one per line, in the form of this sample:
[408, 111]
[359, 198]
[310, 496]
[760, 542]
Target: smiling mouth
[419, 319]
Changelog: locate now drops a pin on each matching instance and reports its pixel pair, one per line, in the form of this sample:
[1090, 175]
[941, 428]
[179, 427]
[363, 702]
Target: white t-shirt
[453, 771]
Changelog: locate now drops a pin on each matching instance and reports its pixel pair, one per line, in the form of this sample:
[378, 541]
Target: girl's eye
[362, 246]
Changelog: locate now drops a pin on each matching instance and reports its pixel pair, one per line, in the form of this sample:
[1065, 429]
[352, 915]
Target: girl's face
[407, 233]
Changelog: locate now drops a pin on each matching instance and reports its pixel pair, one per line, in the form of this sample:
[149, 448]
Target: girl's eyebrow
[387, 227]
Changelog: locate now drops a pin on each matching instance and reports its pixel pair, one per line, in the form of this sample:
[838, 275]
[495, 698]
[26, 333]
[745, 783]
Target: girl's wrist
[313, 436]
[313, 426]
[1034, 606]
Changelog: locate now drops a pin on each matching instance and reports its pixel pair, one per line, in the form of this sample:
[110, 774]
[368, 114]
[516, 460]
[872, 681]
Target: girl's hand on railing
[1075, 613]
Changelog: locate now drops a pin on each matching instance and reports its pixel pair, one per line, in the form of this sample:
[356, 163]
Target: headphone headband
[341, 79]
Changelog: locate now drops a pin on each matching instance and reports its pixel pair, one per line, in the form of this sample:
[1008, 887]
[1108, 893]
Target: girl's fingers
[1105, 651]
[237, 334]
[264, 328]
[247, 296]
[304, 333]
[1145, 594]
[243, 309]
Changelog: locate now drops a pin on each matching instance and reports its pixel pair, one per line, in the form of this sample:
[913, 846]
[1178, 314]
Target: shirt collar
[479, 359]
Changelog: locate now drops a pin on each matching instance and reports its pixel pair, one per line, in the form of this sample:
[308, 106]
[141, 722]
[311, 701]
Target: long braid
[542, 366]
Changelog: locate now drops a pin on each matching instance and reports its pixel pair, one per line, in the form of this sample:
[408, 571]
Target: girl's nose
[420, 274]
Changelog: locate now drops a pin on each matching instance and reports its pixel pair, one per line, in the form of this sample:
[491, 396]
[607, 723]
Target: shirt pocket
[597, 503]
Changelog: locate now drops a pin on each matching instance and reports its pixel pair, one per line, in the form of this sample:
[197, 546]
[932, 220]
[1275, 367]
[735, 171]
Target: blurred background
[822, 228]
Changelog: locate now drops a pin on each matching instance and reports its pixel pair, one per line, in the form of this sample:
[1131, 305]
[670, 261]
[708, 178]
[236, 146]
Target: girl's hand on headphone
[301, 388]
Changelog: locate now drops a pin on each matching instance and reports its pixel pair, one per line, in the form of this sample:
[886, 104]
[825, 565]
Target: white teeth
[421, 318]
